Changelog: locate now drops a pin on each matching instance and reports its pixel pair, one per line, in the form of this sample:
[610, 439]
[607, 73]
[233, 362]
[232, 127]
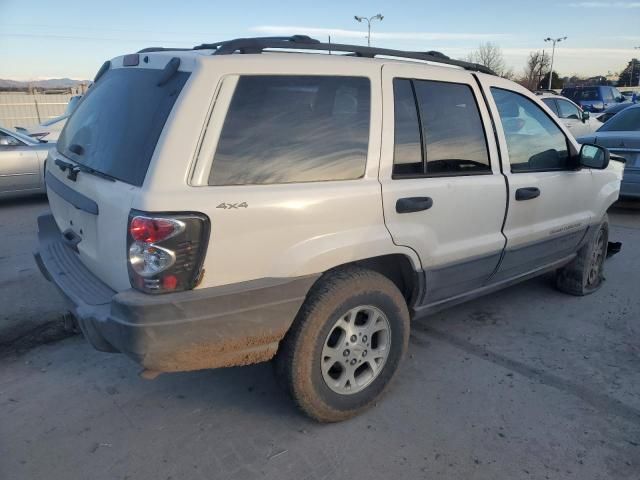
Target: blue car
[594, 99]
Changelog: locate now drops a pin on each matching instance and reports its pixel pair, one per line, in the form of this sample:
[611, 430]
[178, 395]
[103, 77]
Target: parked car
[609, 112]
[21, 164]
[50, 130]
[594, 99]
[630, 95]
[306, 207]
[621, 135]
[572, 116]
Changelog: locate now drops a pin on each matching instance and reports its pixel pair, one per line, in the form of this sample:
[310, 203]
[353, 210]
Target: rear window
[626, 121]
[284, 129]
[116, 126]
[587, 94]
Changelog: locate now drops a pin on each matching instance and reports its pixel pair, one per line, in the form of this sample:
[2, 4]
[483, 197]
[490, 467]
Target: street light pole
[553, 52]
[633, 64]
[368, 20]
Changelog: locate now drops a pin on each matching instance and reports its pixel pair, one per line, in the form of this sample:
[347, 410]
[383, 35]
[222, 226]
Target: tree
[537, 63]
[490, 55]
[556, 81]
[630, 76]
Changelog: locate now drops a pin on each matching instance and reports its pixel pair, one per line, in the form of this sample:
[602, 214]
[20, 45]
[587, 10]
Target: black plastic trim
[76, 199]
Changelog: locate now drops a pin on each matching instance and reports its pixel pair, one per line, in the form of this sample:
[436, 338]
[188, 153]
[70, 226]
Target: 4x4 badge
[233, 205]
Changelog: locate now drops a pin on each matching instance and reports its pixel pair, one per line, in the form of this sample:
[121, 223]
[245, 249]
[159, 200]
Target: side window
[568, 110]
[284, 129]
[551, 103]
[534, 141]
[452, 128]
[407, 152]
[607, 94]
[440, 135]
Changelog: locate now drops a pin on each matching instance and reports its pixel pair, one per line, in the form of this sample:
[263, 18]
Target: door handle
[413, 204]
[527, 193]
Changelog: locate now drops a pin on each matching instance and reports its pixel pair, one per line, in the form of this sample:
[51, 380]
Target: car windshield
[626, 121]
[115, 128]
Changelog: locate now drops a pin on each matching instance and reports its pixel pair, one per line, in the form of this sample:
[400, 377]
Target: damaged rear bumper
[230, 325]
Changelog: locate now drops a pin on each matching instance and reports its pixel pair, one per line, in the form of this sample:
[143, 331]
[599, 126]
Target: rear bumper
[214, 327]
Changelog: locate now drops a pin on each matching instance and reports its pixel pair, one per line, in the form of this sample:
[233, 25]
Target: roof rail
[304, 42]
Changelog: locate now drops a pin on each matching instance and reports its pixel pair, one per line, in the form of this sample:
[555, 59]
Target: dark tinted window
[568, 110]
[607, 94]
[551, 103]
[407, 153]
[282, 129]
[454, 136]
[118, 122]
[626, 121]
[534, 141]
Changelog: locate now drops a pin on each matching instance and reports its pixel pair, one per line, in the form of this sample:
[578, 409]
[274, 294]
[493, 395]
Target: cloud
[343, 33]
[605, 4]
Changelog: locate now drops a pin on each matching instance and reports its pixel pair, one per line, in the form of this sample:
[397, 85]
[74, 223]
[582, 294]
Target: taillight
[166, 251]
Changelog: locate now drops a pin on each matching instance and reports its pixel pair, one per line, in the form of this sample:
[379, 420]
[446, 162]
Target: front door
[550, 202]
[572, 118]
[443, 193]
[19, 165]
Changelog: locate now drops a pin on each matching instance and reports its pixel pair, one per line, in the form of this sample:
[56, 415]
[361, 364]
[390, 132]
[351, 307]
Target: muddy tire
[585, 273]
[345, 345]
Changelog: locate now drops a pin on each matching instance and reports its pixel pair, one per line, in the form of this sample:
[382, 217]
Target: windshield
[116, 126]
[626, 121]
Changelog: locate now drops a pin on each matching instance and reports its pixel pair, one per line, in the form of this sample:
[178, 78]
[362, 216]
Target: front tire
[345, 345]
[585, 273]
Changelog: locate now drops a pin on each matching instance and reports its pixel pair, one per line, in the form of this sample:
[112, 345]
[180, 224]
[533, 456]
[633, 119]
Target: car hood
[613, 139]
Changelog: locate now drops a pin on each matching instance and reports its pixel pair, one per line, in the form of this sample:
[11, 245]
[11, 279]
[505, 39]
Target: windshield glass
[116, 126]
[626, 121]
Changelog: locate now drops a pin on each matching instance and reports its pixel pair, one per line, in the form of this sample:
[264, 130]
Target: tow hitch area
[613, 248]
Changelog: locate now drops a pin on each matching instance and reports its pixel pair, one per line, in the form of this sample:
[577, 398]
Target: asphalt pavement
[527, 383]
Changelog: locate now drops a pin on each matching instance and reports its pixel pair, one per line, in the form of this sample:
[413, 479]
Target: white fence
[25, 110]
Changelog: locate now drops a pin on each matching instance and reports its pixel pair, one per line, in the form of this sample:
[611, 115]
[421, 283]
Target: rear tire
[345, 345]
[585, 273]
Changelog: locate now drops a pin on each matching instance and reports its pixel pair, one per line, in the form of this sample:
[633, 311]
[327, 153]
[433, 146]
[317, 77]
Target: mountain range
[48, 83]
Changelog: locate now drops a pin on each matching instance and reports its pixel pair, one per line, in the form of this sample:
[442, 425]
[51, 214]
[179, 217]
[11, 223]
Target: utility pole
[368, 20]
[553, 51]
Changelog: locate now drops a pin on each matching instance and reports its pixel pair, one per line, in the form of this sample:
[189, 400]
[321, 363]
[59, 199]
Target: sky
[72, 39]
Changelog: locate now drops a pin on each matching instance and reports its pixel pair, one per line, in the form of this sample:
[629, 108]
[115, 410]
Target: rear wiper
[78, 167]
[84, 168]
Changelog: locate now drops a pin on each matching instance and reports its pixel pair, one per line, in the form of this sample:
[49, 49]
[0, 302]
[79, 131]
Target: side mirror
[585, 116]
[593, 156]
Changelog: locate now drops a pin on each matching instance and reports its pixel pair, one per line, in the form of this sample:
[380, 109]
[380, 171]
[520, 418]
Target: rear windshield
[583, 94]
[116, 126]
[625, 121]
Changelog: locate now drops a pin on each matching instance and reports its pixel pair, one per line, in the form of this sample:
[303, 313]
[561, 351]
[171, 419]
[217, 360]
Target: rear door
[114, 131]
[19, 168]
[443, 192]
[551, 204]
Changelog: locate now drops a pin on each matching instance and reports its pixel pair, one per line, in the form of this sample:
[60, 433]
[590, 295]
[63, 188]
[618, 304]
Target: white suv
[229, 204]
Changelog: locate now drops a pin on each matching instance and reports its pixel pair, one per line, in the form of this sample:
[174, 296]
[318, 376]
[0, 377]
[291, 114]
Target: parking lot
[525, 383]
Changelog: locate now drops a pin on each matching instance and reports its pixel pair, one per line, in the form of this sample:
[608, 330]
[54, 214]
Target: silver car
[21, 164]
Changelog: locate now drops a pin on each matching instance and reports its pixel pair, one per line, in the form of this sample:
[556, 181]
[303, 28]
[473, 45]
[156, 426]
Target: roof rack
[304, 42]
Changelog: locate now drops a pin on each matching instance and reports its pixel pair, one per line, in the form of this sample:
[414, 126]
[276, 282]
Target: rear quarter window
[285, 129]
